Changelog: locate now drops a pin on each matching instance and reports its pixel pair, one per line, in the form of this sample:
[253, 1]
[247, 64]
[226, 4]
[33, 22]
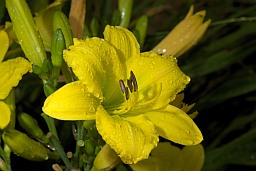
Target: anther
[126, 93]
[129, 83]
[122, 86]
[134, 81]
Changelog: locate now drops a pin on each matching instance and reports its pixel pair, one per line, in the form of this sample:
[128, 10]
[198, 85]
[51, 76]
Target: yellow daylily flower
[10, 75]
[185, 35]
[127, 92]
[166, 157]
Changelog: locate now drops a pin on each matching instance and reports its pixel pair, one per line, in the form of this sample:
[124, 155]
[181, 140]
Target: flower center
[130, 91]
[132, 85]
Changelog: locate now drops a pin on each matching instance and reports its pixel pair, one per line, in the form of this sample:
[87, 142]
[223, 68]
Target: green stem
[61, 151]
[79, 144]
[6, 159]
[55, 140]
[51, 125]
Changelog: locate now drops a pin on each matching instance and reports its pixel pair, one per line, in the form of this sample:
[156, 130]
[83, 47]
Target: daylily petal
[123, 40]
[5, 115]
[132, 138]
[71, 102]
[164, 157]
[173, 124]
[11, 73]
[151, 70]
[96, 63]
[4, 44]
[193, 157]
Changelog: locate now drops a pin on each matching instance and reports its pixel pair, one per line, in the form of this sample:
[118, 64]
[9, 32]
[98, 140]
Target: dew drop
[91, 109]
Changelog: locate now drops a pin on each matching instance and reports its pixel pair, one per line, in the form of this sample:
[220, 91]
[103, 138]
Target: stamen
[134, 81]
[129, 83]
[122, 86]
[127, 93]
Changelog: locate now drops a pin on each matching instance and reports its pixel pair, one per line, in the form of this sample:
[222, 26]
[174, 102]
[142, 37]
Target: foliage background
[222, 68]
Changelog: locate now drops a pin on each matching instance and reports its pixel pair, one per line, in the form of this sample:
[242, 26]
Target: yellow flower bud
[106, 159]
[185, 35]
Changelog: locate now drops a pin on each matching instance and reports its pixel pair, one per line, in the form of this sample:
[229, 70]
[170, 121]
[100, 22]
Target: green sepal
[30, 125]
[48, 89]
[24, 146]
[61, 21]
[25, 30]
[47, 66]
[36, 69]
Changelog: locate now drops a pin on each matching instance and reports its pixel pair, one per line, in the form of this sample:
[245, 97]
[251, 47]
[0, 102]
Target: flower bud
[43, 20]
[24, 146]
[2, 164]
[5, 115]
[61, 21]
[30, 125]
[185, 35]
[89, 147]
[141, 27]
[25, 29]
[106, 159]
[58, 45]
[125, 8]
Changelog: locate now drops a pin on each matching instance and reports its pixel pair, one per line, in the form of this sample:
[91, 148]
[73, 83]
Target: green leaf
[230, 88]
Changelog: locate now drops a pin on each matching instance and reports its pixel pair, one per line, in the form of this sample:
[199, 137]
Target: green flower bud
[2, 164]
[61, 21]
[116, 18]
[86, 33]
[88, 124]
[89, 147]
[30, 125]
[141, 27]
[24, 146]
[48, 89]
[58, 45]
[25, 29]
[94, 26]
[125, 8]
[43, 20]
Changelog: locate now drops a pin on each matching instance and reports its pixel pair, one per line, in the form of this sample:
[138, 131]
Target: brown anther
[134, 81]
[122, 86]
[127, 93]
[129, 83]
